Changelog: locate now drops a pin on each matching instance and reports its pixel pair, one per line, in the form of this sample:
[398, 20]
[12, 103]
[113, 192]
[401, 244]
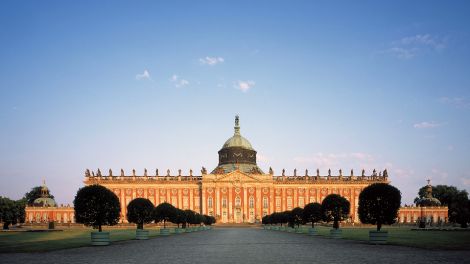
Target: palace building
[237, 190]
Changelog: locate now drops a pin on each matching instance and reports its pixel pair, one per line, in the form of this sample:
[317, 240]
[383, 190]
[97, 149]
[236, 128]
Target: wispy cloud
[425, 124]
[410, 46]
[244, 86]
[457, 102]
[178, 82]
[211, 60]
[143, 76]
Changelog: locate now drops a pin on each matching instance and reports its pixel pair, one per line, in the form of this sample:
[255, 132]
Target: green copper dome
[45, 200]
[237, 140]
[237, 154]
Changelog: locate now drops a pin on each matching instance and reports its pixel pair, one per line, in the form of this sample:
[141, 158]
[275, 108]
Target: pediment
[238, 176]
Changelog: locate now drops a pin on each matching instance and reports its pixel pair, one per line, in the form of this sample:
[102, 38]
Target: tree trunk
[313, 224]
[140, 226]
[335, 223]
[5, 225]
[99, 228]
[164, 226]
[379, 226]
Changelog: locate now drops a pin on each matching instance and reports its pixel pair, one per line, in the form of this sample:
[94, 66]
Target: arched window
[252, 202]
[209, 202]
[237, 201]
[224, 202]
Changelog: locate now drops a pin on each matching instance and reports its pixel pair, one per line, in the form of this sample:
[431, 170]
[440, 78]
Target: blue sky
[317, 84]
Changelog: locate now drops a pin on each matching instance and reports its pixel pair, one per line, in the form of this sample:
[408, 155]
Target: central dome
[238, 141]
[237, 154]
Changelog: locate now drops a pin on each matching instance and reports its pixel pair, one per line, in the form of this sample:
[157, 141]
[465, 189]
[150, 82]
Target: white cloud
[244, 86]
[424, 40]
[425, 124]
[178, 82]
[457, 102]
[143, 76]
[211, 60]
[409, 47]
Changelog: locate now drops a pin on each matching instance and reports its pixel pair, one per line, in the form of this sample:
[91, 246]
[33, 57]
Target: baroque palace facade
[237, 190]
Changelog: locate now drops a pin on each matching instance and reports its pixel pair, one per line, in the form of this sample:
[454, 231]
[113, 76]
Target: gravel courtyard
[240, 245]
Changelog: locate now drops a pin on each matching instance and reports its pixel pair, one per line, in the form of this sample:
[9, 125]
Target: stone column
[217, 202]
[230, 200]
[245, 204]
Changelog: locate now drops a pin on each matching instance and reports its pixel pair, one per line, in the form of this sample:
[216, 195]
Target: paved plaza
[240, 245]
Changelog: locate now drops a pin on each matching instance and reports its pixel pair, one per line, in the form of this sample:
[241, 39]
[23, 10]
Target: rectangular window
[252, 202]
[301, 202]
[289, 203]
[278, 201]
[265, 202]
[185, 203]
[224, 202]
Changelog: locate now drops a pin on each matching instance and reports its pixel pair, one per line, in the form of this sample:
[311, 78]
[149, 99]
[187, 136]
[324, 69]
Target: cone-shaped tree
[140, 212]
[164, 212]
[312, 213]
[335, 208]
[379, 204]
[296, 216]
[95, 206]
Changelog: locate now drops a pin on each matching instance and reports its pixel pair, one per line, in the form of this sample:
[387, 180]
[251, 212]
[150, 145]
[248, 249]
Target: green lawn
[45, 241]
[407, 237]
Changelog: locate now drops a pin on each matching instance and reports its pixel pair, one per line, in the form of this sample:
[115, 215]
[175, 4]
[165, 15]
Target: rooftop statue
[156, 172]
[168, 172]
[385, 174]
[295, 172]
[318, 172]
[110, 172]
[98, 173]
[122, 173]
[145, 172]
[179, 172]
[271, 171]
[306, 172]
[340, 172]
[363, 173]
[329, 172]
[87, 173]
[190, 172]
[133, 172]
[283, 172]
[203, 170]
[352, 173]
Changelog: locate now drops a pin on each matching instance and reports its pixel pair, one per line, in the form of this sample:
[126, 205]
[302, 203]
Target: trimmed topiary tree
[180, 217]
[164, 212]
[335, 208]
[379, 204]
[11, 212]
[296, 216]
[312, 213]
[140, 212]
[96, 206]
[190, 215]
